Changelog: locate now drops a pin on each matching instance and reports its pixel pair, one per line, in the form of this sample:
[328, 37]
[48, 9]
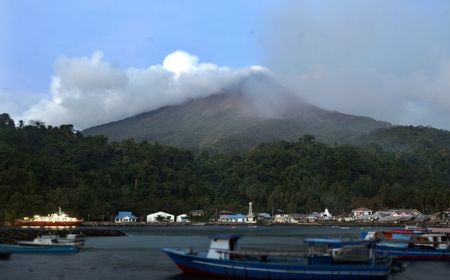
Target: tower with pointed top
[250, 217]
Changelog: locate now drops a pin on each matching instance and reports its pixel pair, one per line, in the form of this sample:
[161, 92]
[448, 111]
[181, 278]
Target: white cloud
[89, 91]
[14, 103]
[180, 62]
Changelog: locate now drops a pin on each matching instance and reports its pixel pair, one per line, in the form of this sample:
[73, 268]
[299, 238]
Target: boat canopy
[223, 236]
[336, 242]
[221, 242]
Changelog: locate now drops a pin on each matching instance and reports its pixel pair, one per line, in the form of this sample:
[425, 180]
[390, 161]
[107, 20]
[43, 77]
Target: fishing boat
[21, 248]
[225, 259]
[414, 245]
[41, 244]
[59, 219]
[70, 239]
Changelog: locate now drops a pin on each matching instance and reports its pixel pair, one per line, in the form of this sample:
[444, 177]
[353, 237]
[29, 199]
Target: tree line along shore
[43, 167]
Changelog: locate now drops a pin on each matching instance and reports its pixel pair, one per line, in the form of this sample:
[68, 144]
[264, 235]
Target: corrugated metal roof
[124, 214]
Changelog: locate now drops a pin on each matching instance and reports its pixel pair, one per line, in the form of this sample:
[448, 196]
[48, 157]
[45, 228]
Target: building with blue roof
[125, 217]
[232, 218]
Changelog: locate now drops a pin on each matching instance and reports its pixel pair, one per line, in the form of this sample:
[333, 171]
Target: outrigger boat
[412, 245]
[225, 259]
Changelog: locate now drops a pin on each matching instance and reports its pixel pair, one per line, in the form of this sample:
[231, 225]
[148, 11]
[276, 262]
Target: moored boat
[56, 240]
[59, 219]
[18, 248]
[225, 259]
[41, 244]
[71, 238]
[414, 245]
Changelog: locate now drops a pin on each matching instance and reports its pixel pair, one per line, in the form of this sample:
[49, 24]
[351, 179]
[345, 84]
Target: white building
[232, 218]
[326, 215]
[183, 218]
[280, 218]
[250, 217]
[313, 217]
[160, 217]
[406, 213]
[362, 212]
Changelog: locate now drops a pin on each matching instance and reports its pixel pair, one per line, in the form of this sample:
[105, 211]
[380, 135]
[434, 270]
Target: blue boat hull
[191, 264]
[423, 254]
[38, 249]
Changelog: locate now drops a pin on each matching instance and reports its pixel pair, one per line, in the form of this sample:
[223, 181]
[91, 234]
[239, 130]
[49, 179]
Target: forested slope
[43, 167]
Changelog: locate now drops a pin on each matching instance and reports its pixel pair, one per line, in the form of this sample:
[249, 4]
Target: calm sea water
[137, 255]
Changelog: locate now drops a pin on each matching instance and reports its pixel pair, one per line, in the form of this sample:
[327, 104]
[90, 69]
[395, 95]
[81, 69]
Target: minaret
[250, 217]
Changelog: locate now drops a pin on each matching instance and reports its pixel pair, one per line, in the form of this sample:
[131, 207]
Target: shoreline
[100, 224]
[332, 224]
[340, 224]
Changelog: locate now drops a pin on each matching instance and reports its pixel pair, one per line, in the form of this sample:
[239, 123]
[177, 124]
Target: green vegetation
[408, 138]
[43, 167]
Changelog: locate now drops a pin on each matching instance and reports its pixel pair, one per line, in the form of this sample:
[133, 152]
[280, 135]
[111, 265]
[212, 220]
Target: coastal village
[360, 215]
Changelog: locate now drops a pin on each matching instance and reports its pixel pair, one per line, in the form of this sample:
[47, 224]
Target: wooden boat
[415, 245]
[41, 244]
[224, 259]
[70, 239]
[346, 250]
[17, 248]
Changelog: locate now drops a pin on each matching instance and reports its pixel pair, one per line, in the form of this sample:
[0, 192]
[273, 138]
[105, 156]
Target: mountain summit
[255, 110]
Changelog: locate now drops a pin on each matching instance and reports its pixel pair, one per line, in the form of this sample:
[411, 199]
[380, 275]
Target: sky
[90, 62]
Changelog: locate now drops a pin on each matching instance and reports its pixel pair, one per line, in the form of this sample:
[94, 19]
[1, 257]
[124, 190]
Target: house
[297, 218]
[125, 217]
[437, 218]
[197, 213]
[183, 218]
[366, 218]
[264, 217]
[402, 216]
[381, 215]
[232, 218]
[313, 217]
[160, 217]
[291, 218]
[342, 218]
[364, 215]
[280, 217]
[362, 212]
[446, 215]
[393, 219]
[421, 218]
[406, 213]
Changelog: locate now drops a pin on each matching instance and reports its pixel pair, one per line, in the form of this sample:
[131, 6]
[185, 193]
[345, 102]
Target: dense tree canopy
[43, 167]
